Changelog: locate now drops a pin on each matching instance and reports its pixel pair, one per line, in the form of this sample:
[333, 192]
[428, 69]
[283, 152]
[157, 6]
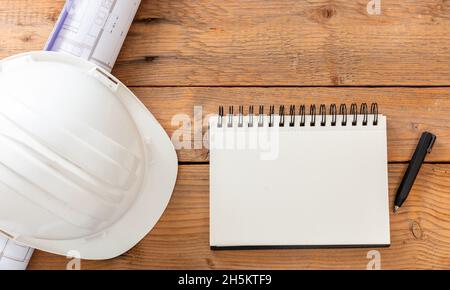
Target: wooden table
[185, 53]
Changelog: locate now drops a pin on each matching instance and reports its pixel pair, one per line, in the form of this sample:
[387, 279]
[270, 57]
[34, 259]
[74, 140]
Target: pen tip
[396, 209]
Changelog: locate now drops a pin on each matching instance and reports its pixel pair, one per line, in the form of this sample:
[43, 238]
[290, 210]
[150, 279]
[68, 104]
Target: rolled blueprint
[13, 256]
[91, 29]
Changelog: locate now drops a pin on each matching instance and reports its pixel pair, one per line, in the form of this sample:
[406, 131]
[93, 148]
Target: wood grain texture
[288, 42]
[26, 25]
[263, 43]
[186, 53]
[410, 111]
[420, 234]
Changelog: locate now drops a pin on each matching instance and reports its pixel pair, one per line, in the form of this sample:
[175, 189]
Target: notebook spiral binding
[322, 117]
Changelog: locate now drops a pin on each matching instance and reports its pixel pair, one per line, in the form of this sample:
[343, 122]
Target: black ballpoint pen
[425, 145]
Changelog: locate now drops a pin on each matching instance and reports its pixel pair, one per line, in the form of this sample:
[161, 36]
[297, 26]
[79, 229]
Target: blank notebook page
[298, 186]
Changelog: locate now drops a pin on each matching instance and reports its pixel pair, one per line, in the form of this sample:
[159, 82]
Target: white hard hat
[84, 166]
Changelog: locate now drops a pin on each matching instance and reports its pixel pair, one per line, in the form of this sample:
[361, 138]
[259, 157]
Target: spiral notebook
[299, 177]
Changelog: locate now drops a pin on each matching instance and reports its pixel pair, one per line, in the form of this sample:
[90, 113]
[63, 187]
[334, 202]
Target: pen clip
[433, 140]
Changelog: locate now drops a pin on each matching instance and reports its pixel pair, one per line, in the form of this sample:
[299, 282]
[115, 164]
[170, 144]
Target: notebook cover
[285, 187]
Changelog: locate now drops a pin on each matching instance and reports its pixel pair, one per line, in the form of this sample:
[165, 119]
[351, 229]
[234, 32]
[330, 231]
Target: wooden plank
[410, 111]
[278, 43]
[420, 234]
[25, 25]
[235, 43]
[288, 42]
